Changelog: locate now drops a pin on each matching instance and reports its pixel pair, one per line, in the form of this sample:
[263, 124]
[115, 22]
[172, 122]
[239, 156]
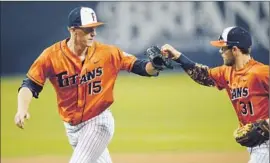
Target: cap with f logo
[234, 36]
[83, 17]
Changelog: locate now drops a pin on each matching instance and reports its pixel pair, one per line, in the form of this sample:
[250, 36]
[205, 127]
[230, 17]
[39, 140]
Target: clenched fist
[20, 117]
[170, 52]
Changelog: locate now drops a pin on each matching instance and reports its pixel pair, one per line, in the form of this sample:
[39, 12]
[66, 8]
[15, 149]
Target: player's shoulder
[222, 69]
[259, 67]
[111, 50]
[106, 47]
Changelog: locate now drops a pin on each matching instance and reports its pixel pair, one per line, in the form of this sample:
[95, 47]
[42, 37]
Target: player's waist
[261, 146]
[102, 115]
[246, 120]
[77, 116]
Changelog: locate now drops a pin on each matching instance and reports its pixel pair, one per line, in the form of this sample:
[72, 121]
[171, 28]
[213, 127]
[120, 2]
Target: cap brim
[92, 25]
[218, 43]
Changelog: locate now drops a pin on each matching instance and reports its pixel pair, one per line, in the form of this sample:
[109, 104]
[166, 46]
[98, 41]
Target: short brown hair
[245, 51]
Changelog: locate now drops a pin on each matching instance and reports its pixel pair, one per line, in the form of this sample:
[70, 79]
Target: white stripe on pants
[259, 154]
[91, 138]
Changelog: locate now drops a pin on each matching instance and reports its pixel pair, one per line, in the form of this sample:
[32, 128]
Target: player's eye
[88, 30]
[223, 49]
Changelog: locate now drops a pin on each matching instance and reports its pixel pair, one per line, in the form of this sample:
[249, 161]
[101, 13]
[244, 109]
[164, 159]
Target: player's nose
[220, 51]
[93, 33]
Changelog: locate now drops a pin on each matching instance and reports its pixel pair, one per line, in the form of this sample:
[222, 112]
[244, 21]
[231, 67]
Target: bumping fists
[161, 58]
[158, 60]
[170, 52]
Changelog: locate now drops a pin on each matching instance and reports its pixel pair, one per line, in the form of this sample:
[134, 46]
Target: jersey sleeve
[40, 69]
[126, 61]
[264, 77]
[198, 72]
[34, 87]
[217, 75]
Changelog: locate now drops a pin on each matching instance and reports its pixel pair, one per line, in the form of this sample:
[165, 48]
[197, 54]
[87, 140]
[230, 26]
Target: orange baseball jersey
[247, 88]
[83, 90]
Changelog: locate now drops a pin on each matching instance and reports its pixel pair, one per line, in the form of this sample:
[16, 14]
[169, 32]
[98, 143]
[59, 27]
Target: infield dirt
[202, 157]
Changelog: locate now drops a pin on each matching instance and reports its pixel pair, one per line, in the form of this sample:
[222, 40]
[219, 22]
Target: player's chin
[228, 63]
[89, 42]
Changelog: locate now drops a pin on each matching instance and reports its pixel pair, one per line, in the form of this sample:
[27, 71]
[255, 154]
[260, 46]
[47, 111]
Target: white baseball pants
[91, 138]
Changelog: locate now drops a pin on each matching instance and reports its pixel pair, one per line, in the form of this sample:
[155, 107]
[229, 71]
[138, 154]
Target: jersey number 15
[94, 87]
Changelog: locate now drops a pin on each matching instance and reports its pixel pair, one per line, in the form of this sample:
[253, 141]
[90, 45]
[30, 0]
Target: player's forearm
[144, 68]
[198, 72]
[150, 69]
[24, 98]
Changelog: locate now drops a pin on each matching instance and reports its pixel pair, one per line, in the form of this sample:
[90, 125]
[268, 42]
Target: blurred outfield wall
[29, 27]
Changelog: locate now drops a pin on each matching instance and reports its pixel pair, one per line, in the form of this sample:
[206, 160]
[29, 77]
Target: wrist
[177, 55]
[22, 109]
[184, 61]
[151, 70]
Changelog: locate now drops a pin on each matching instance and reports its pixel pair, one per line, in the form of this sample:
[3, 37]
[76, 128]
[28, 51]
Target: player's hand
[20, 117]
[170, 52]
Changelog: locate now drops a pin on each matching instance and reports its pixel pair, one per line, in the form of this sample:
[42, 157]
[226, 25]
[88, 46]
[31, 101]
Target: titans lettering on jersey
[65, 81]
[237, 93]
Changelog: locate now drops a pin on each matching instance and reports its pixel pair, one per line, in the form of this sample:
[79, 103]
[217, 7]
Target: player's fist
[20, 117]
[170, 52]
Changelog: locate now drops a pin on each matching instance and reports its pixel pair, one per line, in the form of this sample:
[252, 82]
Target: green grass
[170, 113]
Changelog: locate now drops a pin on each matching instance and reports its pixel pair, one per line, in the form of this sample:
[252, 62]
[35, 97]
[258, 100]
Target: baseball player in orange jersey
[82, 72]
[245, 80]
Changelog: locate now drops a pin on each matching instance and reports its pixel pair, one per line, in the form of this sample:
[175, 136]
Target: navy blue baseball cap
[83, 17]
[233, 36]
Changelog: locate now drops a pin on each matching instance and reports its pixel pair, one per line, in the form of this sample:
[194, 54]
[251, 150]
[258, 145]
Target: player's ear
[71, 29]
[235, 50]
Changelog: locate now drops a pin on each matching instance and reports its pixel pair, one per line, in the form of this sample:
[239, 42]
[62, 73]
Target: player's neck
[242, 61]
[76, 49]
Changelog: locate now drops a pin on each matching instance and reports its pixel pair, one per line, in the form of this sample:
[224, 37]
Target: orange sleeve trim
[132, 63]
[34, 80]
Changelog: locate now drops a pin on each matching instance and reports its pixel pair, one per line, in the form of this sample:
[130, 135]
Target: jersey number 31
[246, 108]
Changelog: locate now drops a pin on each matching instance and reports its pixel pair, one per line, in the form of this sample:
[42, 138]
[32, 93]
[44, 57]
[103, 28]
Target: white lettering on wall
[134, 26]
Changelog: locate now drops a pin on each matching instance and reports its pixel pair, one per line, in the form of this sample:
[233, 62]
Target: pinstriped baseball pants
[259, 154]
[91, 138]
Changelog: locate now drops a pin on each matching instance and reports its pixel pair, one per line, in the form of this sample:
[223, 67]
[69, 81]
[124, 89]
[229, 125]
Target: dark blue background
[27, 28]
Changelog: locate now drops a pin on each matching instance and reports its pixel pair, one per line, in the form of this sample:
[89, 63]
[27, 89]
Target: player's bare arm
[27, 91]
[24, 99]
[198, 72]
[150, 69]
